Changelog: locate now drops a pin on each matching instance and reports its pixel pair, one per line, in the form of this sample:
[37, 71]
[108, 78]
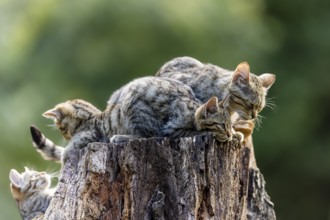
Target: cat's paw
[118, 138]
[244, 127]
[238, 137]
[37, 137]
[222, 136]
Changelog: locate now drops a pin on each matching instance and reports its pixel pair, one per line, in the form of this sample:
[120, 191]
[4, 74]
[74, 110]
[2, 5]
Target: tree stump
[161, 178]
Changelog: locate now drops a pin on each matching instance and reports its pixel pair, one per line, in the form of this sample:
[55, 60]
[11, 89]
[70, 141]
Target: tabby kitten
[145, 107]
[32, 192]
[247, 91]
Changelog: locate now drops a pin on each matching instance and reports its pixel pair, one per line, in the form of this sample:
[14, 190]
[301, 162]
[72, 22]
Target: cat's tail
[44, 146]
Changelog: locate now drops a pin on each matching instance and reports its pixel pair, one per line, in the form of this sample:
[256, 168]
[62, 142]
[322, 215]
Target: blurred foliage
[56, 50]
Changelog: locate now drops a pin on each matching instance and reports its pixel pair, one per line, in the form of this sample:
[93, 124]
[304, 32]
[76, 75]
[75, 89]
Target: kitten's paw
[118, 138]
[222, 137]
[244, 127]
[37, 137]
[238, 137]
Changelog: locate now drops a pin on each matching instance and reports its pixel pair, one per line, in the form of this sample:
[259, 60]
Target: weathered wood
[156, 178]
[259, 203]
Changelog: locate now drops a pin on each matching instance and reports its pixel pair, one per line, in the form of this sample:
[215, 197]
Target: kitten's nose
[253, 114]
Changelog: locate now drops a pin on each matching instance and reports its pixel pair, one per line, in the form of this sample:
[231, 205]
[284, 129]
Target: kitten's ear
[211, 106]
[16, 179]
[242, 72]
[224, 102]
[26, 169]
[267, 80]
[54, 113]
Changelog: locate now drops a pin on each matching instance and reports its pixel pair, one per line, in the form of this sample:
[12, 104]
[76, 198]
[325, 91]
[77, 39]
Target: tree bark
[160, 178]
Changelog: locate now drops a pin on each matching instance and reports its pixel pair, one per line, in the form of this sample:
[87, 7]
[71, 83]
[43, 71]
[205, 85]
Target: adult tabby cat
[145, 107]
[247, 91]
[32, 192]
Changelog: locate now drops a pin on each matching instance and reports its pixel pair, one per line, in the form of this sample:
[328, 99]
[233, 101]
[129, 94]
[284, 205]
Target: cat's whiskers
[271, 103]
[53, 126]
[54, 174]
[257, 121]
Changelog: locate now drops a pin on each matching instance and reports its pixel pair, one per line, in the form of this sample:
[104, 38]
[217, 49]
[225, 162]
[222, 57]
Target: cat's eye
[213, 124]
[249, 106]
[223, 126]
[239, 102]
[35, 176]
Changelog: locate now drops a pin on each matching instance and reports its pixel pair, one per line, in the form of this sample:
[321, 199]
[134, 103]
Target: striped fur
[161, 107]
[47, 149]
[32, 192]
[247, 91]
[145, 107]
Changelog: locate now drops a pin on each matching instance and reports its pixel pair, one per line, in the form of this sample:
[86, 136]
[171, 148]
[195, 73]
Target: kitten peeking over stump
[185, 98]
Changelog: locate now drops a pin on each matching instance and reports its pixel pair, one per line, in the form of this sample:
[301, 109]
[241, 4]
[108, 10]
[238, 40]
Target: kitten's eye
[213, 124]
[35, 176]
[250, 106]
[239, 102]
[223, 126]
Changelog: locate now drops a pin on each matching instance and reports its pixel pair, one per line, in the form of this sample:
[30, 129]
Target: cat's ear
[242, 72]
[16, 179]
[267, 80]
[211, 106]
[224, 102]
[54, 113]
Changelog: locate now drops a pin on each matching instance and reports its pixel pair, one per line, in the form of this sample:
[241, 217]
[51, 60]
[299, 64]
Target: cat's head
[70, 115]
[213, 116]
[28, 182]
[248, 91]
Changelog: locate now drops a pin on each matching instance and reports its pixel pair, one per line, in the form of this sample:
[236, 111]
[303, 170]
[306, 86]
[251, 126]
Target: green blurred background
[55, 50]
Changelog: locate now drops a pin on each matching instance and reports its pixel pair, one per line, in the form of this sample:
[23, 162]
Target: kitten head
[214, 117]
[248, 91]
[69, 115]
[24, 184]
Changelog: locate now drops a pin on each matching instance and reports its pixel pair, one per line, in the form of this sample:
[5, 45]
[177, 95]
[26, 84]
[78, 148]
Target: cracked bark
[156, 178]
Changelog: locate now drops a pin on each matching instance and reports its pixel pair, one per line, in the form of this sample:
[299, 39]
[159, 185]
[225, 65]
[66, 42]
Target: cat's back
[178, 64]
[206, 80]
[188, 67]
[145, 105]
[153, 90]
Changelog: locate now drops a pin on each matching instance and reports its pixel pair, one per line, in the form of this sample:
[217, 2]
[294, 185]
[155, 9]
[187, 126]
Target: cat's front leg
[244, 128]
[120, 138]
[79, 141]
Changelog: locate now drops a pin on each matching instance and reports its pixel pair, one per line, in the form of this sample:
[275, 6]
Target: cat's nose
[253, 114]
